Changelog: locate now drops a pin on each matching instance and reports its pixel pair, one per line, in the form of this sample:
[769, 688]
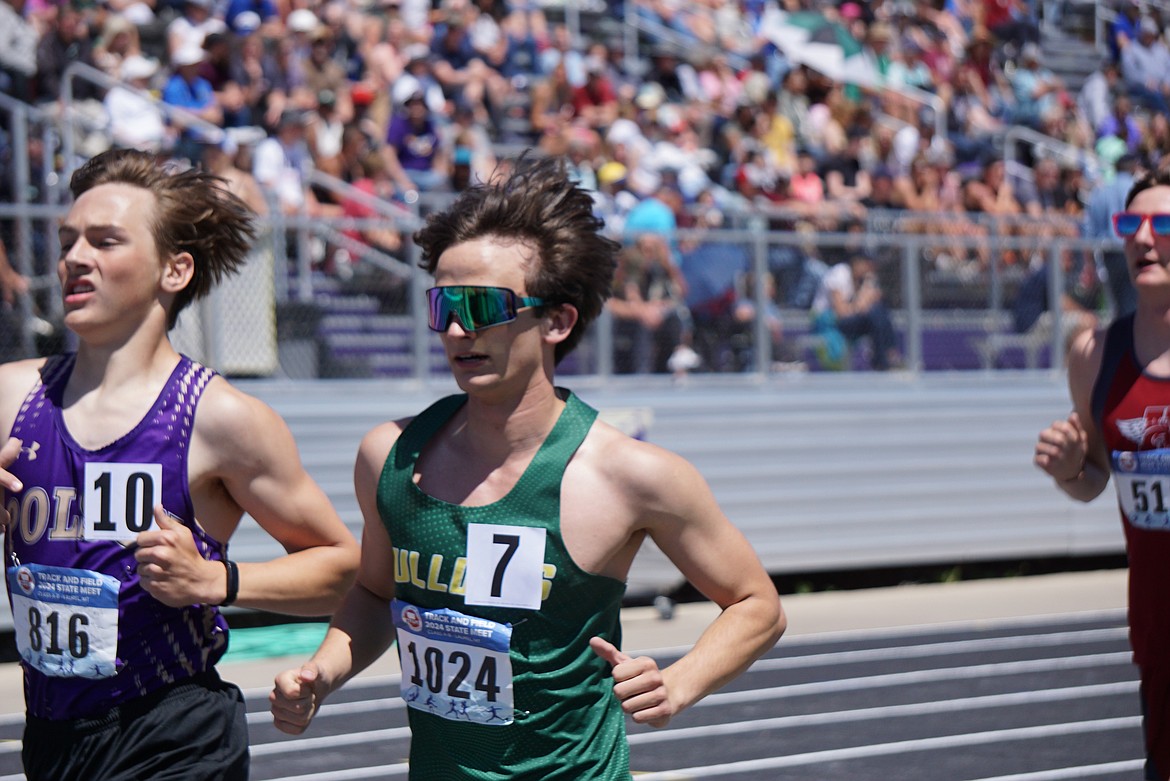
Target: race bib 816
[66, 620]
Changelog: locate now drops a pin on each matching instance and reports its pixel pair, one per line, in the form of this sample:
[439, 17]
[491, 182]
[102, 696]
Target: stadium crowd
[410, 99]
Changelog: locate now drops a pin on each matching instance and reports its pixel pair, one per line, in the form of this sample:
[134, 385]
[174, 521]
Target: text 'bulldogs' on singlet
[89, 635]
[494, 619]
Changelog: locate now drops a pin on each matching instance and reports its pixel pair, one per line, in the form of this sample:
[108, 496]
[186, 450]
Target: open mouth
[468, 358]
[76, 288]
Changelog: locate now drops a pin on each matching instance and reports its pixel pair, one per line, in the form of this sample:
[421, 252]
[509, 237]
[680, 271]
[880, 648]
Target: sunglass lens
[1128, 223]
[439, 308]
[488, 306]
[473, 307]
[1160, 223]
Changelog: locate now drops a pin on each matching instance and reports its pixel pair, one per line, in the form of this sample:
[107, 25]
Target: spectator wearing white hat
[118, 40]
[247, 22]
[187, 90]
[417, 76]
[295, 46]
[196, 22]
[136, 121]
[246, 16]
[302, 21]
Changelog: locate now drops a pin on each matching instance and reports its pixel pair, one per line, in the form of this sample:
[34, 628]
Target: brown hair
[1159, 176]
[196, 213]
[538, 204]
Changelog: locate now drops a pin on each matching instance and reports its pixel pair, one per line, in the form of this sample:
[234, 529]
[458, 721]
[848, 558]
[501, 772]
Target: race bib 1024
[454, 666]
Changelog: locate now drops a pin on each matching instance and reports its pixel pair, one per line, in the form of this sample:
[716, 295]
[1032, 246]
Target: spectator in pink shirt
[806, 184]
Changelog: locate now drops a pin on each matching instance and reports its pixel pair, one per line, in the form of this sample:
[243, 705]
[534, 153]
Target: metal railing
[1046, 146]
[910, 253]
[72, 121]
[931, 301]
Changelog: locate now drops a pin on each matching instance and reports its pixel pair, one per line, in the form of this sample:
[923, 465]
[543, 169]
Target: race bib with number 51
[119, 499]
[1143, 487]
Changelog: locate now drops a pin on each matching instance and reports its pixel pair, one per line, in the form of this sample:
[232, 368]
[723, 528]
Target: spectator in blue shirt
[653, 213]
[265, 10]
[1124, 28]
[188, 90]
[1106, 199]
[715, 270]
[1036, 89]
[1145, 65]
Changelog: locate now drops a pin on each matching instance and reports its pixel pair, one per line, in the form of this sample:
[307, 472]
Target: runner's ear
[559, 320]
[178, 272]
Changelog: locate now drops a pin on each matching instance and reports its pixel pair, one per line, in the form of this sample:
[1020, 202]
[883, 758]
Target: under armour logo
[31, 450]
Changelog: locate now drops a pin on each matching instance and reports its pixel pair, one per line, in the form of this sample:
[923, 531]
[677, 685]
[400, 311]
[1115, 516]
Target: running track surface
[1020, 700]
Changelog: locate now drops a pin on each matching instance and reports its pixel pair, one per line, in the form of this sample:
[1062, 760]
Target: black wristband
[233, 582]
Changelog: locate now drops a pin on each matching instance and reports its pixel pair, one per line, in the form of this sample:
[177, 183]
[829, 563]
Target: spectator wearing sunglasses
[1119, 381]
[501, 523]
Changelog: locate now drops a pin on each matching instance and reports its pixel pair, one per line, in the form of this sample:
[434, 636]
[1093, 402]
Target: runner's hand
[294, 699]
[8, 482]
[638, 684]
[1062, 449]
[171, 568]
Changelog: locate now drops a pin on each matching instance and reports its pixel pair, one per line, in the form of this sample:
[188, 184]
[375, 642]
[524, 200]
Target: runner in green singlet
[501, 523]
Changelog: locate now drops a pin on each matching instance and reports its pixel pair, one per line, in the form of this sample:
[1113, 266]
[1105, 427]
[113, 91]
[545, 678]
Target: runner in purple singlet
[127, 470]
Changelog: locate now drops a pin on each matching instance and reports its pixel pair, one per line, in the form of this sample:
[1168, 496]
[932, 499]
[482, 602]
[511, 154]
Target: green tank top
[568, 724]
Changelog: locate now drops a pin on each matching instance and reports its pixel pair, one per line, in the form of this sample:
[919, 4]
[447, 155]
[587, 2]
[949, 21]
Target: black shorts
[194, 730]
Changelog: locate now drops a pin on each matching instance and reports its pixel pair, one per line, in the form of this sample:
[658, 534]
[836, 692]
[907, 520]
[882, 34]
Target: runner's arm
[252, 452]
[361, 630]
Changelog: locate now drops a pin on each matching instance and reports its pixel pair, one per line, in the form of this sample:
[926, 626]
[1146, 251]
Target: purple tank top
[61, 643]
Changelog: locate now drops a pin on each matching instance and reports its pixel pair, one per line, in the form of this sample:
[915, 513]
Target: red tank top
[1132, 412]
